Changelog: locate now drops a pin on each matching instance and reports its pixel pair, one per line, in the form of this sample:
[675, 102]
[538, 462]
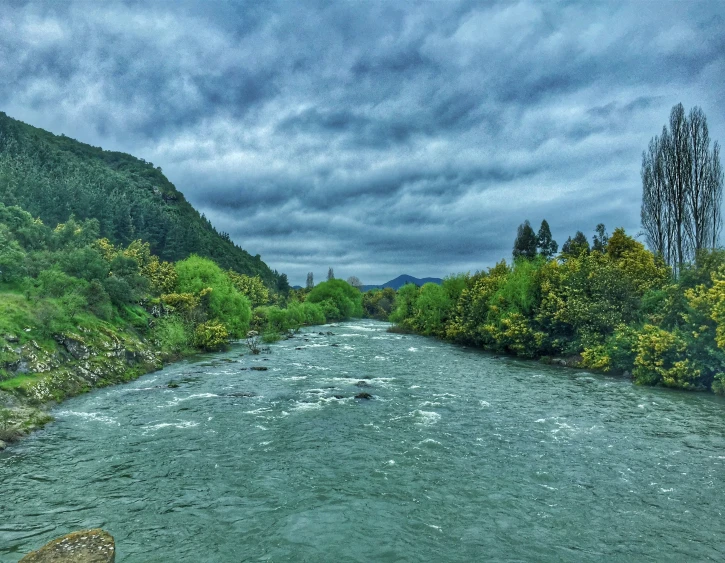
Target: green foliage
[378, 303]
[107, 194]
[172, 336]
[338, 299]
[616, 305]
[251, 287]
[576, 246]
[219, 297]
[404, 308]
[211, 336]
[525, 243]
[546, 244]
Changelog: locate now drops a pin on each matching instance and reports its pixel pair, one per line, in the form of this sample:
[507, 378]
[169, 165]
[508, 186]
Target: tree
[310, 283]
[283, 284]
[330, 274]
[525, 243]
[222, 301]
[546, 244]
[339, 300]
[576, 246]
[601, 238]
[355, 282]
[682, 190]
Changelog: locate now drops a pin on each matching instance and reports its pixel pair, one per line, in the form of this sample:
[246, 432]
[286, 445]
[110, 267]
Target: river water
[459, 456]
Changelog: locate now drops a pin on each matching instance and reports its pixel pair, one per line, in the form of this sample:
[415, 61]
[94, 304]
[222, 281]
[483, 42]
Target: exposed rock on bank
[34, 376]
[86, 546]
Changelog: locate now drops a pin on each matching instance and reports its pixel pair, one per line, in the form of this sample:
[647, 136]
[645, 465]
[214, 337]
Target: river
[459, 456]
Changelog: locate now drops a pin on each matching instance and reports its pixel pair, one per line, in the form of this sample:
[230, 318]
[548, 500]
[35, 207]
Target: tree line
[656, 315]
[682, 183]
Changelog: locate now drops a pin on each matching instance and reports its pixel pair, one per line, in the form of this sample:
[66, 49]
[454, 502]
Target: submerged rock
[259, 368]
[363, 384]
[3, 445]
[366, 396]
[86, 546]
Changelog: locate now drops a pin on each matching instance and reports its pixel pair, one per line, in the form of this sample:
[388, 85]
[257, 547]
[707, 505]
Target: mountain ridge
[54, 177]
[401, 280]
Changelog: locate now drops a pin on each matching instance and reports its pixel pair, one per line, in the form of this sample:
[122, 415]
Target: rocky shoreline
[39, 376]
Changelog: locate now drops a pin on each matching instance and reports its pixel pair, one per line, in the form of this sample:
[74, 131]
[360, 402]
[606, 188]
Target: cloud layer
[376, 138]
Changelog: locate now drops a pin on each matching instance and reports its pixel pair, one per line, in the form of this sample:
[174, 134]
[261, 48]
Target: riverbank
[42, 373]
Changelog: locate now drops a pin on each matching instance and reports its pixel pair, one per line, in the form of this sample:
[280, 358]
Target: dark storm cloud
[377, 138]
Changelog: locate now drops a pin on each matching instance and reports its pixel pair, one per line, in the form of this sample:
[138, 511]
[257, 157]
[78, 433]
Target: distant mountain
[54, 177]
[400, 281]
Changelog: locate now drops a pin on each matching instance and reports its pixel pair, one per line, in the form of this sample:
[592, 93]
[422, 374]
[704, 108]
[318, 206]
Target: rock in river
[366, 396]
[86, 546]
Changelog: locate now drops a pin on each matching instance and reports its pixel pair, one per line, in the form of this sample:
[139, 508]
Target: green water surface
[460, 456]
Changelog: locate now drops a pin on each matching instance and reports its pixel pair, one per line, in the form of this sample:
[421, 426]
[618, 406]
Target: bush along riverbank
[611, 306]
[78, 312]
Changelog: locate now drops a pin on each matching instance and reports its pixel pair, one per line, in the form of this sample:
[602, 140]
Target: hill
[54, 177]
[400, 281]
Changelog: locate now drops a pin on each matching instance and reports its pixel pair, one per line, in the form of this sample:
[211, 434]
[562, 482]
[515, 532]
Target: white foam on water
[427, 417]
[260, 410]
[382, 358]
[414, 387]
[391, 462]
[430, 404]
[484, 403]
[435, 527]
[261, 427]
[429, 441]
[302, 406]
[352, 335]
[548, 487]
[179, 425]
[412, 349]
[540, 420]
[94, 416]
[362, 327]
[295, 378]
[194, 396]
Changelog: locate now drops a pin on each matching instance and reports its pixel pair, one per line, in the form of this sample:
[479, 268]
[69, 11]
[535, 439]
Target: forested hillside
[54, 177]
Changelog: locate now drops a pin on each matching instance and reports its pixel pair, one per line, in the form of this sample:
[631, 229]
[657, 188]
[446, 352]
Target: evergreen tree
[601, 238]
[525, 243]
[576, 246]
[547, 245]
[283, 284]
[310, 281]
[330, 274]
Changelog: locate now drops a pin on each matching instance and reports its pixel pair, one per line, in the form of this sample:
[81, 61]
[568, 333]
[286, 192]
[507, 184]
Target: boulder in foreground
[86, 546]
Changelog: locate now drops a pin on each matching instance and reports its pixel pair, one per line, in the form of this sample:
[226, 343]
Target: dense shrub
[338, 299]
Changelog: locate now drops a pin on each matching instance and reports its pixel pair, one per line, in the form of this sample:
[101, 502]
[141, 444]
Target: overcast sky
[376, 138]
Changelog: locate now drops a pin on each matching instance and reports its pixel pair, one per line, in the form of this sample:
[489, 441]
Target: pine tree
[547, 245]
[576, 246]
[601, 238]
[525, 243]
